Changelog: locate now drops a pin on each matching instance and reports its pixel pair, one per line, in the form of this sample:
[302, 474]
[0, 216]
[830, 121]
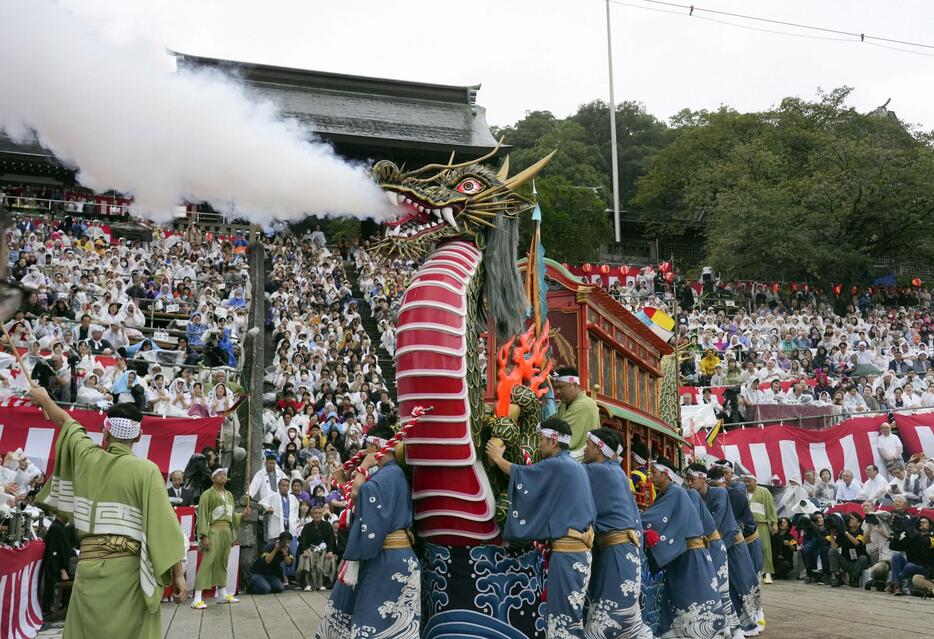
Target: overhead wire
[692, 11]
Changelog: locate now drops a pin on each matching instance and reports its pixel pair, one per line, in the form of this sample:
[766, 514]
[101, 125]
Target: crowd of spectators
[155, 323]
[860, 362]
[325, 391]
[874, 534]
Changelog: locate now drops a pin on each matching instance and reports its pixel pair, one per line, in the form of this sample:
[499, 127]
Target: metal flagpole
[614, 159]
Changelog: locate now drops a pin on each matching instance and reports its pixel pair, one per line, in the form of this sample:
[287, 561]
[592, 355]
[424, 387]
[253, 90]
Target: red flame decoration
[530, 367]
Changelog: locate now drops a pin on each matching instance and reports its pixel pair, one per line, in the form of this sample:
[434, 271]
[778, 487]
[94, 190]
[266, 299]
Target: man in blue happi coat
[551, 500]
[615, 582]
[718, 555]
[378, 594]
[741, 574]
[691, 606]
[744, 581]
[724, 471]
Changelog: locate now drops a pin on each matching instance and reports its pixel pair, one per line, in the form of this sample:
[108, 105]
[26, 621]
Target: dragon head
[441, 202]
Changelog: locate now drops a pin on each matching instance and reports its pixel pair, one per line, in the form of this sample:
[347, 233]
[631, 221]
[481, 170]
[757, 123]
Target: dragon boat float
[461, 220]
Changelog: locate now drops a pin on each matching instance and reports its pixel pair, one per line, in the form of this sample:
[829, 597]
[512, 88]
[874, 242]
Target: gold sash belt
[696, 543]
[616, 537]
[398, 540]
[739, 538]
[751, 538]
[714, 536]
[574, 541]
[220, 524]
[108, 547]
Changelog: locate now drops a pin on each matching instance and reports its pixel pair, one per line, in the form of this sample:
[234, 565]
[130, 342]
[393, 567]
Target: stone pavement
[792, 609]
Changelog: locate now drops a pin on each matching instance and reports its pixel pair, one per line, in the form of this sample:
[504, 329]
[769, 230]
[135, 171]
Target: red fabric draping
[787, 451]
[20, 569]
[167, 442]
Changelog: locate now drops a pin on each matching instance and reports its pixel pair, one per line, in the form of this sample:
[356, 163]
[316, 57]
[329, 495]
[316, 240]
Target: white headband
[218, 470]
[379, 441]
[568, 379]
[555, 435]
[672, 475]
[121, 427]
[599, 443]
[636, 457]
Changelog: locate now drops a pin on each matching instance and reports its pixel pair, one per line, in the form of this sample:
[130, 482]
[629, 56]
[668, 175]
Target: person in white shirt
[847, 487]
[773, 394]
[281, 510]
[889, 445]
[875, 487]
[266, 480]
[853, 402]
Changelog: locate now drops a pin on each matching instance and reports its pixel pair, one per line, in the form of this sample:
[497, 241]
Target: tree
[574, 221]
[807, 190]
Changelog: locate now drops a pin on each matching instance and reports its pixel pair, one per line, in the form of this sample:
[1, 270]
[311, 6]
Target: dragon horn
[503, 172]
[522, 177]
[449, 165]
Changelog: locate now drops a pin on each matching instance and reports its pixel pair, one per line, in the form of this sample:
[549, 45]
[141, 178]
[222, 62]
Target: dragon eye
[469, 186]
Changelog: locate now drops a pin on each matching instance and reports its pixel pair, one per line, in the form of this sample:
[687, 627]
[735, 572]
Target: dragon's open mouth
[418, 216]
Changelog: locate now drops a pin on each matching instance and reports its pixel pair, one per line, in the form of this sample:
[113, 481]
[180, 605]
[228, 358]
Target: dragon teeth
[392, 197]
[448, 215]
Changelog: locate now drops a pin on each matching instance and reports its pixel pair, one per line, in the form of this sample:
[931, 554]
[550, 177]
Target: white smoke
[127, 123]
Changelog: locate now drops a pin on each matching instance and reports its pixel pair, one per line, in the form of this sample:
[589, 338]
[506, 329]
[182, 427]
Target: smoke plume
[127, 122]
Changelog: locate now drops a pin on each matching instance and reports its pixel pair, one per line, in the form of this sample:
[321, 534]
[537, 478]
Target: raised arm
[52, 410]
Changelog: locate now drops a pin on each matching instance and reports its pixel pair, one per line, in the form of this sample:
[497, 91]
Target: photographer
[847, 553]
[267, 574]
[784, 547]
[877, 529]
[816, 545]
[913, 538]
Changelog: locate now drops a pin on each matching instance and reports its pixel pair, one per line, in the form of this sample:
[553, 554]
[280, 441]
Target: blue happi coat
[615, 583]
[386, 601]
[739, 500]
[743, 580]
[691, 607]
[718, 554]
[545, 501]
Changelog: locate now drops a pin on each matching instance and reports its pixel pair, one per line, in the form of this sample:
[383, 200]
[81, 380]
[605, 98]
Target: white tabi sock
[221, 593]
[198, 594]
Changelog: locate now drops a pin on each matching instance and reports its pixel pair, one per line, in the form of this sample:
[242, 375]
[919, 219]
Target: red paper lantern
[624, 270]
[669, 276]
[794, 287]
[604, 269]
[916, 282]
[837, 289]
[587, 268]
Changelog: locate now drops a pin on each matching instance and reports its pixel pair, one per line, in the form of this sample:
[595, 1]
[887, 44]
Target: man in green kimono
[217, 522]
[132, 545]
[762, 505]
[576, 408]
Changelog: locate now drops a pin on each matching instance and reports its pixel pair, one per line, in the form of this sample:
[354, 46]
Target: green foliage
[574, 221]
[575, 189]
[809, 190]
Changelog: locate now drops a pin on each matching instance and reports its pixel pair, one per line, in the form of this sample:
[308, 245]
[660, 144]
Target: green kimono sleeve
[205, 507]
[72, 448]
[165, 544]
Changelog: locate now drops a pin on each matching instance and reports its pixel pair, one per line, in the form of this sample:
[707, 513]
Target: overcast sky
[551, 54]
